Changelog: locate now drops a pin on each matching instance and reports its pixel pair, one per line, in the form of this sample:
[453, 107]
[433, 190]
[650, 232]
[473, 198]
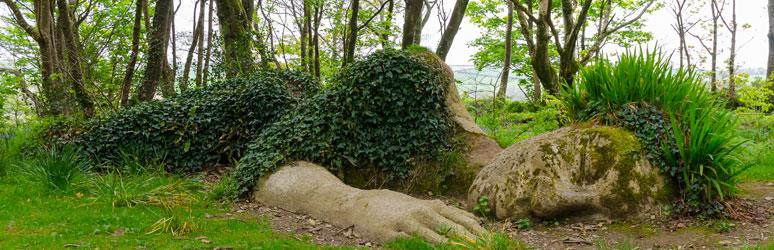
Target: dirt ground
[657, 232]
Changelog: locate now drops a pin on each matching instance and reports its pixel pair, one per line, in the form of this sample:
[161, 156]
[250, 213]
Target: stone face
[580, 171]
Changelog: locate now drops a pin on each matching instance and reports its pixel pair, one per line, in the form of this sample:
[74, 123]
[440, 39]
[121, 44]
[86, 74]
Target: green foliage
[696, 134]
[57, 169]
[482, 206]
[225, 190]
[758, 129]
[755, 96]
[724, 226]
[196, 129]
[522, 223]
[385, 112]
[509, 122]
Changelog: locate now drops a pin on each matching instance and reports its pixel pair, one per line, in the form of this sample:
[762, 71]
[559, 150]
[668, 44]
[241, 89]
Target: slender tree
[351, 41]
[157, 50]
[71, 44]
[447, 38]
[197, 31]
[503, 88]
[732, 28]
[206, 73]
[126, 84]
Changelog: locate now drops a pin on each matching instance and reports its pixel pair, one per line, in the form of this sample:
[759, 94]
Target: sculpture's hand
[390, 215]
[377, 214]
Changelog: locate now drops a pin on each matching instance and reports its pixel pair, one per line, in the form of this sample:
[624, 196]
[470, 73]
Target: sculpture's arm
[377, 214]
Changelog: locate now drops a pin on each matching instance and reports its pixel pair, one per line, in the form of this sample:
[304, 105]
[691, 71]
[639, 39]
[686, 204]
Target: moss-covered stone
[578, 170]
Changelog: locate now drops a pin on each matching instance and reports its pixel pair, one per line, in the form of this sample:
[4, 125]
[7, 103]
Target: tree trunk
[714, 71]
[316, 39]
[168, 73]
[197, 31]
[74, 58]
[411, 20]
[503, 91]
[458, 13]
[732, 56]
[235, 27]
[126, 84]
[206, 71]
[200, 50]
[541, 62]
[351, 41]
[157, 49]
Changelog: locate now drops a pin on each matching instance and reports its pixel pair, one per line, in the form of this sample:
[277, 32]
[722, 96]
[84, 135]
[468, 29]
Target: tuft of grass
[60, 169]
[706, 148]
[12, 142]
[174, 224]
[143, 190]
[225, 190]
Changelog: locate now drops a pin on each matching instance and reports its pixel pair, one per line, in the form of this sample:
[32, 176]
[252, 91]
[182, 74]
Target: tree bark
[126, 84]
[351, 41]
[503, 90]
[411, 20]
[206, 71]
[157, 50]
[541, 62]
[200, 50]
[714, 74]
[732, 56]
[458, 13]
[76, 74]
[235, 27]
[197, 31]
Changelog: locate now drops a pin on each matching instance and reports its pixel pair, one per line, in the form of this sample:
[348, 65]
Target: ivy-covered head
[199, 127]
[385, 112]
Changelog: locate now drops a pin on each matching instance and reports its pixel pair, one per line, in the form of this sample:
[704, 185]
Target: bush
[197, 128]
[696, 144]
[58, 169]
[385, 112]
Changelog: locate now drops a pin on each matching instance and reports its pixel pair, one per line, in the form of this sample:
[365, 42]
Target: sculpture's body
[392, 114]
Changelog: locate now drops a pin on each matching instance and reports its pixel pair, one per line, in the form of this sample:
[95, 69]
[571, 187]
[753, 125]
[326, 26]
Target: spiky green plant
[57, 168]
[700, 143]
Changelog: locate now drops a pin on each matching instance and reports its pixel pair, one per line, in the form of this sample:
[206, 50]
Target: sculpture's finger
[439, 222]
[392, 235]
[461, 217]
[426, 233]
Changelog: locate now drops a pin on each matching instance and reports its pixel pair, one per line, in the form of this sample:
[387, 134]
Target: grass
[32, 217]
[758, 130]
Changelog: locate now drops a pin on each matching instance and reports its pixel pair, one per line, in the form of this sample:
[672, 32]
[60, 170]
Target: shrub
[692, 134]
[385, 112]
[59, 169]
[199, 127]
